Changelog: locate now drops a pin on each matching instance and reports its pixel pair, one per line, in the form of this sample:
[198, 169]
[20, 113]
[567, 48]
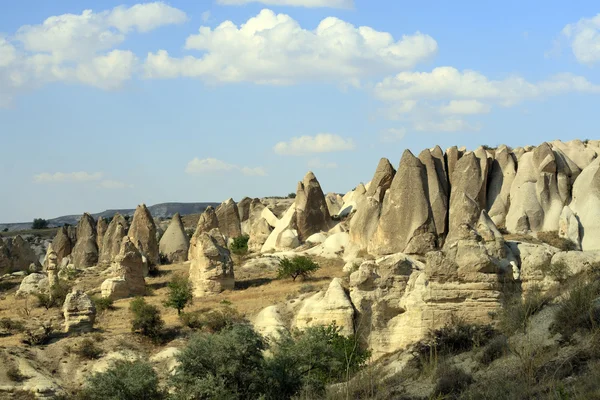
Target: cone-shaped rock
[128, 267]
[502, 175]
[436, 188]
[229, 219]
[207, 221]
[453, 154]
[244, 208]
[334, 203]
[101, 228]
[143, 232]
[175, 243]
[211, 268]
[22, 254]
[62, 243]
[312, 215]
[85, 252]
[111, 243]
[382, 179]
[406, 223]
[586, 205]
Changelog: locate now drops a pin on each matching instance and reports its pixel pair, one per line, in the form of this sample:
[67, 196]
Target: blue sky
[131, 102]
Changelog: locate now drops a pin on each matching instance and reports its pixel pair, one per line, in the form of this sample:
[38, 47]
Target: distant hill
[162, 210]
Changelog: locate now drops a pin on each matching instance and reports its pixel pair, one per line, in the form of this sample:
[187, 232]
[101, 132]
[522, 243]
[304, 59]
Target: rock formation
[259, 233]
[143, 234]
[174, 244]
[51, 266]
[244, 209]
[207, 222]
[211, 267]
[21, 254]
[334, 203]
[586, 205]
[32, 284]
[128, 269]
[569, 227]
[437, 187]
[85, 252]
[101, 228]
[229, 219]
[382, 179]
[502, 175]
[311, 210]
[62, 243]
[111, 243]
[79, 312]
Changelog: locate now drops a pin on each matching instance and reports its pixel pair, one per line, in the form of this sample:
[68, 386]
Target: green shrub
[552, 238]
[451, 382]
[103, 303]
[163, 259]
[298, 266]
[180, 293]
[14, 373]
[146, 318]
[559, 271]
[240, 245]
[213, 320]
[516, 312]
[11, 325]
[495, 349]
[87, 349]
[56, 296]
[579, 311]
[291, 195]
[126, 380]
[39, 223]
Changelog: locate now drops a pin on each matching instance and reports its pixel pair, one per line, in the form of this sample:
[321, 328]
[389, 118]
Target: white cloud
[392, 135]
[316, 163]
[78, 48]
[584, 39]
[465, 107]
[112, 184]
[59, 177]
[212, 165]
[320, 143]
[274, 49]
[293, 3]
[446, 125]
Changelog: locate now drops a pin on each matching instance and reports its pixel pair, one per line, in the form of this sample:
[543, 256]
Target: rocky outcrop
[244, 209]
[174, 244]
[569, 227]
[453, 154]
[382, 179]
[364, 223]
[283, 237]
[79, 312]
[32, 284]
[51, 266]
[402, 228]
[502, 175]
[259, 233]
[312, 215]
[334, 203]
[111, 243]
[211, 267]
[85, 252]
[143, 234]
[586, 205]
[128, 268]
[437, 188]
[229, 219]
[21, 255]
[62, 243]
[207, 222]
[101, 228]
[5, 260]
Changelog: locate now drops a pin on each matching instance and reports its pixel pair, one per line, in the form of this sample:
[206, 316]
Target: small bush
[87, 349]
[14, 374]
[180, 293]
[552, 238]
[291, 195]
[559, 271]
[11, 325]
[517, 311]
[240, 245]
[146, 319]
[38, 336]
[56, 296]
[126, 380]
[39, 223]
[451, 382]
[103, 304]
[213, 320]
[495, 349]
[580, 311]
[298, 266]
[163, 259]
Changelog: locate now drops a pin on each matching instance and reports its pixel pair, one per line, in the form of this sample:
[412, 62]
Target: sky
[114, 103]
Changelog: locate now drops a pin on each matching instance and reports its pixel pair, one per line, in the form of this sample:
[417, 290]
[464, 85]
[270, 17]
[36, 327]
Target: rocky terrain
[444, 244]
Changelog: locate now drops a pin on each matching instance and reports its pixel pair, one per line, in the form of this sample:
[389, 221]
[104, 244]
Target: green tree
[146, 318]
[180, 293]
[39, 223]
[291, 195]
[126, 380]
[297, 266]
[240, 245]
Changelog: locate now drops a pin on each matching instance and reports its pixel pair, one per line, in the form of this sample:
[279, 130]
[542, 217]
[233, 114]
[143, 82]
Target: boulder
[334, 203]
[143, 234]
[312, 215]
[502, 175]
[174, 244]
[586, 205]
[259, 233]
[229, 219]
[406, 223]
[211, 267]
[85, 252]
[101, 228]
[62, 243]
[111, 243]
[128, 268]
[382, 179]
[268, 215]
[569, 227]
[327, 307]
[269, 322]
[79, 312]
[32, 284]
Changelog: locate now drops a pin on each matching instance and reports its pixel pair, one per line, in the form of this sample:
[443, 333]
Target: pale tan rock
[586, 205]
[111, 243]
[51, 266]
[128, 269]
[502, 175]
[259, 233]
[255, 211]
[453, 154]
[174, 243]
[327, 307]
[143, 233]
[62, 243]
[207, 222]
[269, 322]
[229, 219]
[32, 284]
[85, 251]
[22, 255]
[244, 208]
[334, 203]
[268, 215]
[569, 227]
[79, 312]
[274, 241]
[101, 228]
[437, 186]
[211, 268]
[534, 258]
[312, 215]
[382, 179]
[577, 151]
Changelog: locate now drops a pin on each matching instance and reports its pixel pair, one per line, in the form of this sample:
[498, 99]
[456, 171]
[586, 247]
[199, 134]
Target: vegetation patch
[552, 238]
[298, 266]
[146, 319]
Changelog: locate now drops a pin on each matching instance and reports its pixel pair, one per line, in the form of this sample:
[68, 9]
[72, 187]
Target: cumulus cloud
[274, 49]
[316, 163]
[392, 135]
[58, 177]
[320, 143]
[212, 165]
[293, 3]
[584, 39]
[78, 48]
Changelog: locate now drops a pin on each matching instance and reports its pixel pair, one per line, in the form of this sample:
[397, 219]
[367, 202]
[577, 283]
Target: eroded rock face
[382, 179]
[143, 233]
[402, 228]
[586, 205]
[437, 188]
[569, 227]
[101, 228]
[111, 243]
[211, 267]
[312, 214]
[175, 243]
[85, 252]
[229, 219]
[207, 222]
[21, 255]
[259, 233]
[33, 283]
[244, 209]
[51, 266]
[334, 203]
[502, 175]
[79, 312]
[62, 243]
[128, 268]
